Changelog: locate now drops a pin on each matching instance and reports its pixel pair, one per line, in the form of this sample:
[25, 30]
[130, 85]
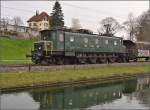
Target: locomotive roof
[111, 37]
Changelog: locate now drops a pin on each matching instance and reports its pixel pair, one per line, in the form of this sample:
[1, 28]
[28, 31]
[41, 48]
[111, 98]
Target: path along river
[129, 94]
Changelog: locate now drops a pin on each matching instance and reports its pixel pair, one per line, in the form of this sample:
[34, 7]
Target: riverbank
[21, 80]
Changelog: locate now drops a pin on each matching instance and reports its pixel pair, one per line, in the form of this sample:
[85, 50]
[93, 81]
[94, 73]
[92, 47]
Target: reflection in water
[131, 94]
[143, 91]
[77, 97]
[18, 101]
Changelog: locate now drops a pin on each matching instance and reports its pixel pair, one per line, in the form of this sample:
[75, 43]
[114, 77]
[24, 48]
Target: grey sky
[88, 12]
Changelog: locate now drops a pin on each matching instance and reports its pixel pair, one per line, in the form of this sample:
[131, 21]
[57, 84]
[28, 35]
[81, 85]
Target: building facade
[39, 21]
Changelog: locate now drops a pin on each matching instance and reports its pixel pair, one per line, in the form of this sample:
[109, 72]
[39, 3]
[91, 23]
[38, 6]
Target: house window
[45, 24]
[34, 24]
[30, 24]
[86, 40]
[45, 18]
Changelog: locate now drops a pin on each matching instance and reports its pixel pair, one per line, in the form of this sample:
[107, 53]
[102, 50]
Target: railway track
[33, 67]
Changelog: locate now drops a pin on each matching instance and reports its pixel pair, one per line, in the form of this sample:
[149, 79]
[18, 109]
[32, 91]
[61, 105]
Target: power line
[90, 9]
[30, 11]
[86, 8]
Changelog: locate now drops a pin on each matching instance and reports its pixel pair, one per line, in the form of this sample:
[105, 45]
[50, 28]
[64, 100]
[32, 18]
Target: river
[129, 94]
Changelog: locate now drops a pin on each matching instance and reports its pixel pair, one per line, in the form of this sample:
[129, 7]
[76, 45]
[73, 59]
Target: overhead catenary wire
[29, 11]
[90, 9]
[83, 17]
[66, 4]
[17, 9]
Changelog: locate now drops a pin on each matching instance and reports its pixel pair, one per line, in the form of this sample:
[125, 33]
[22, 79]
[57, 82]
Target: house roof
[38, 17]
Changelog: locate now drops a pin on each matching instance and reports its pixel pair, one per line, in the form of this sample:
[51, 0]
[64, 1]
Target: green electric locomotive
[65, 47]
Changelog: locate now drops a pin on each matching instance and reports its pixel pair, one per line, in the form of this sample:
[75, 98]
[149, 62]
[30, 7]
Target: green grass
[13, 51]
[8, 80]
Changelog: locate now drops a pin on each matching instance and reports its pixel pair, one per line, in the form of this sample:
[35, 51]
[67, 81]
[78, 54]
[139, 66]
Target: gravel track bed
[32, 67]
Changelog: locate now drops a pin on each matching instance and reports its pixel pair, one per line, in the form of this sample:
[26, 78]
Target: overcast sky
[88, 12]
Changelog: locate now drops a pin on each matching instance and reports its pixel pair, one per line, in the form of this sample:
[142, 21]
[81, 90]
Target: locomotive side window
[61, 37]
[120, 41]
[71, 39]
[86, 40]
[115, 42]
[106, 41]
[85, 45]
[96, 41]
[97, 46]
[53, 34]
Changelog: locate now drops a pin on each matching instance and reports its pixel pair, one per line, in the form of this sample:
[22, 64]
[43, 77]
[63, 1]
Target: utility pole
[149, 5]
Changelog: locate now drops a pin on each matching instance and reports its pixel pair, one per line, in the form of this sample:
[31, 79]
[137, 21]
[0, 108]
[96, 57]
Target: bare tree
[109, 26]
[144, 27]
[76, 24]
[131, 26]
[4, 23]
[17, 21]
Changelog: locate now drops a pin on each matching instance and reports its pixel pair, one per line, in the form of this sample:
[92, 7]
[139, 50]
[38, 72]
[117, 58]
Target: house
[39, 21]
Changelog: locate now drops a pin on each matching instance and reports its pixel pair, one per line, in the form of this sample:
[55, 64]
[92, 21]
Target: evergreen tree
[57, 17]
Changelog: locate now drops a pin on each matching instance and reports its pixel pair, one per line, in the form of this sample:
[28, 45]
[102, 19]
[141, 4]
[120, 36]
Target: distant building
[39, 21]
[20, 31]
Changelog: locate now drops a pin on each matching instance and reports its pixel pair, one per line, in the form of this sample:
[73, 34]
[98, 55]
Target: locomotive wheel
[82, 60]
[135, 60]
[66, 61]
[112, 59]
[146, 59]
[37, 62]
[59, 61]
[119, 60]
[124, 60]
[103, 60]
[92, 60]
[127, 60]
[44, 62]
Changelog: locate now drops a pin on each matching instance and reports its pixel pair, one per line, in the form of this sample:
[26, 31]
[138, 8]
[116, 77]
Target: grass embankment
[13, 51]
[9, 80]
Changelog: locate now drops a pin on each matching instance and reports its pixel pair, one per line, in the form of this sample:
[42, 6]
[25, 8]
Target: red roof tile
[39, 17]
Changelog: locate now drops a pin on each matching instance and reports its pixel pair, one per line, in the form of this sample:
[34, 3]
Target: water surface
[129, 94]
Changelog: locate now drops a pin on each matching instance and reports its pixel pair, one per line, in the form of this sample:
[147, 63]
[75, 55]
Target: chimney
[37, 12]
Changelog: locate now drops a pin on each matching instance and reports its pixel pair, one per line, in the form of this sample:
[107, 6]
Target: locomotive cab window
[45, 35]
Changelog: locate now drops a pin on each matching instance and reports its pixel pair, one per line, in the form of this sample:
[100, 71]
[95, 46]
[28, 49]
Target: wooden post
[29, 68]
